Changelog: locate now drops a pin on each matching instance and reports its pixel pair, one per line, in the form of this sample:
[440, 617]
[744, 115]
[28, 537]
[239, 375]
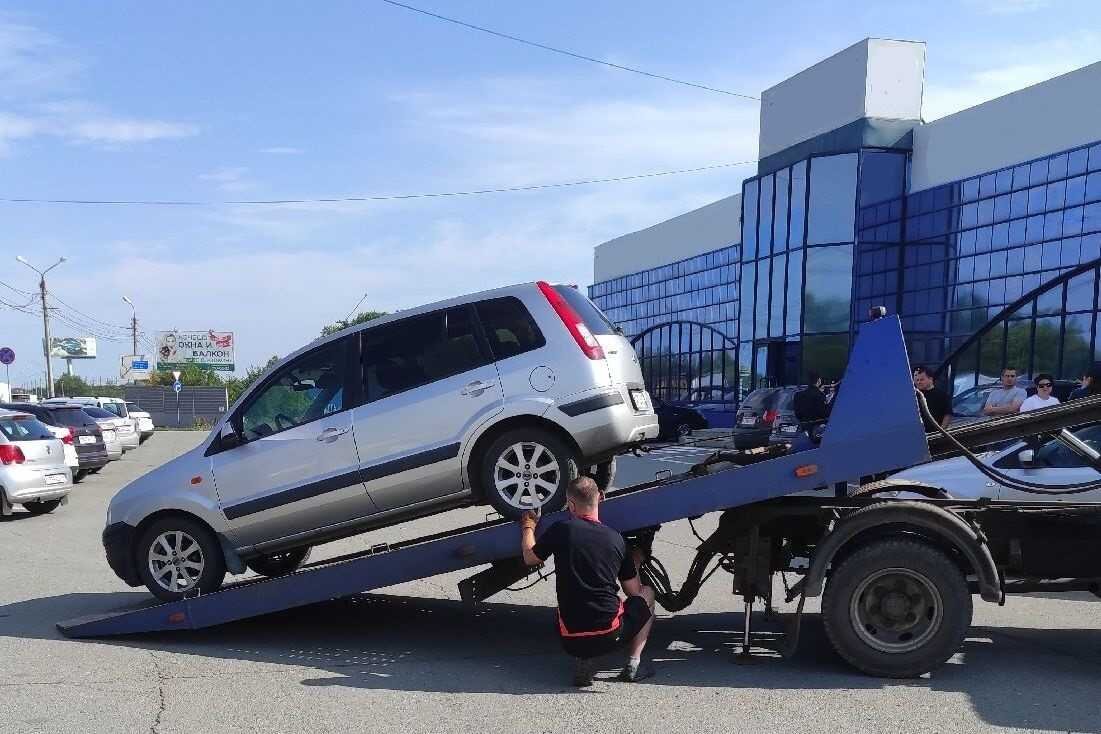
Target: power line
[564, 52]
[88, 317]
[386, 197]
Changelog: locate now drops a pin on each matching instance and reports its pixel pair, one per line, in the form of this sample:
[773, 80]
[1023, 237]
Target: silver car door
[1054, 464]
[297, 468]
[429, 381]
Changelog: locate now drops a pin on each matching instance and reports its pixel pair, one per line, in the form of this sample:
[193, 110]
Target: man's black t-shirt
[809, 406]
[939, 406]
[590, 560]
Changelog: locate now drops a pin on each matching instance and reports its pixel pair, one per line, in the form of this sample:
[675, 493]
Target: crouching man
[591, 562]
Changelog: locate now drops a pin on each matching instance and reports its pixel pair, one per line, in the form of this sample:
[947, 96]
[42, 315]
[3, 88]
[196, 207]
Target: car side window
[310, 387]
[419, 350]
[509, 327]
[1057, 455]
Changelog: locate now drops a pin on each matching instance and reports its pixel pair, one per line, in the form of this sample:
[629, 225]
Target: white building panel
[1061, 113]
[708, 228]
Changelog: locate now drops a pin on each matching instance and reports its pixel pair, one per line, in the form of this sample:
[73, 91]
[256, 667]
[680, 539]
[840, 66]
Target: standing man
[939, 404]
[591, 563]
[809, 404]
[1007, 398]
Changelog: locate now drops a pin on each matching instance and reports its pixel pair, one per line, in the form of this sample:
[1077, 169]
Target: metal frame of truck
[988, 548]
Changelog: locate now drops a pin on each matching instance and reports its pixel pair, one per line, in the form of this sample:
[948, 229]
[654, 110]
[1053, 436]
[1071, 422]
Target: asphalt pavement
[413, 659]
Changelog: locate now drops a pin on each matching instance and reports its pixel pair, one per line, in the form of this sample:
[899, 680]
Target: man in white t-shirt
[1043, 397]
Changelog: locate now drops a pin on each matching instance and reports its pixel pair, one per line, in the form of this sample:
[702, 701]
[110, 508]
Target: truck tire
[527, 469]
[178, 556]
[897, 608]
[279, 564]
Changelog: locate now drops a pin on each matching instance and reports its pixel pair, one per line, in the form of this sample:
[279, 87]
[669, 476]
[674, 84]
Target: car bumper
[92, 459]
[145, 427]
[604, 422]
[118, 541]
[28, 484]
[114, 450]
[129, 440]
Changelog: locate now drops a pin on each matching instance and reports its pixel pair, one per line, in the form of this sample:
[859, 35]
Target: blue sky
[226, 101]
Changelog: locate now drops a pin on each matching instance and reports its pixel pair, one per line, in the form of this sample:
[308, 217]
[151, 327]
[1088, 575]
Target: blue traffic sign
[7, 355]
[177, 386]
[140, 364]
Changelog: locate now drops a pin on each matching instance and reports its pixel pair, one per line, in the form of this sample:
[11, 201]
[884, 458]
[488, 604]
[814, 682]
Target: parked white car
[111, 424]
[1051, 464]
[33, 472]
[145, 421]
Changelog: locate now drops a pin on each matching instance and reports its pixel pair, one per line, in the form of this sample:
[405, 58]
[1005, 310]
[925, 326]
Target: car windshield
[1056, 454]
[763, 399]
[24, 428]
[132, 407]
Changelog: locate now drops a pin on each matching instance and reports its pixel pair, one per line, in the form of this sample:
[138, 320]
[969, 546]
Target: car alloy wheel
[526, 475]
[176, 561]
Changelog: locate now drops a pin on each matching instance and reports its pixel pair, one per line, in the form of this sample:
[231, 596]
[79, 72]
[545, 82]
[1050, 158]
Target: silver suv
[499, 397]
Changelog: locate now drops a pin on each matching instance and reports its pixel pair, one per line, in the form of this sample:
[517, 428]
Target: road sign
[140, 364]
[177, 386]
[176, 375]
[7, 355]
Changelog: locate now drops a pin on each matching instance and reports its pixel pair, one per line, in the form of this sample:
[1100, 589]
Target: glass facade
[829, 237]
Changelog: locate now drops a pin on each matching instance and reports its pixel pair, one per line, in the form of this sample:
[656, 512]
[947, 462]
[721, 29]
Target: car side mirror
[1027, 457]
[228, 437]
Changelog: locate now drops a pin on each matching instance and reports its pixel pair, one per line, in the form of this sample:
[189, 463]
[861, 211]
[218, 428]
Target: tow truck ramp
[874, 427]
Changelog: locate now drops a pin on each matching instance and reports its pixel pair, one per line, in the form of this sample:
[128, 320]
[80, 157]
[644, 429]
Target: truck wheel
[279, 564]
[527, 469]
[897, 608]
[41, 507]
[177, 557]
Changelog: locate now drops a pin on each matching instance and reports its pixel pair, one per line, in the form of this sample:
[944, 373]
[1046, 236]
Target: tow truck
[896, 567]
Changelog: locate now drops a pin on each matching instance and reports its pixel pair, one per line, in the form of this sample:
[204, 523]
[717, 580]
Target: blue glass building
[985, 247]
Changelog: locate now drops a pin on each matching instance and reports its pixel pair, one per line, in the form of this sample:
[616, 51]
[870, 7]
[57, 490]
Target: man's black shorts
[636, 613]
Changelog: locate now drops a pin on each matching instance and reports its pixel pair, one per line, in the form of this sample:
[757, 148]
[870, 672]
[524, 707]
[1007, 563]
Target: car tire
[279, 564]
[540, 465]
[95, 471]
[41, 507]
[683, 430]
[200, 567]
[603, 474]
[897, 608]
[78, 475]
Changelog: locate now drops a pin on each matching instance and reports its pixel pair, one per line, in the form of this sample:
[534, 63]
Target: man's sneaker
[583, 672]
[632, 673]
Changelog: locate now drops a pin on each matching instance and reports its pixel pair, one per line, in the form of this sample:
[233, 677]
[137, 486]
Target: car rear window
[24, 428]
[117, 409]
[593, 317]
[72, 417]
[509, 327]
[761, 399]
[98, 412]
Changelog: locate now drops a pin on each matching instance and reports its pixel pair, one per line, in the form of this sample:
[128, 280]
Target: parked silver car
[110, 423]
[499, 397]
[145, 422]
[33, 472]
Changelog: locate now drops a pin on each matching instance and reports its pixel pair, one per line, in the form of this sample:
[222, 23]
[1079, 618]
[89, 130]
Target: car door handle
[331, 434]
[476, 388]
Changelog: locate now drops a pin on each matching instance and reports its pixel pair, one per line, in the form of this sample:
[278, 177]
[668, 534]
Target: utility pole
[133, 325]
[45, 319]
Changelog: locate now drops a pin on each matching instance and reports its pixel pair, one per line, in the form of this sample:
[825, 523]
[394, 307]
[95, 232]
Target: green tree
[237, 385]
[72, 386]
[359, 318]
[192, 375]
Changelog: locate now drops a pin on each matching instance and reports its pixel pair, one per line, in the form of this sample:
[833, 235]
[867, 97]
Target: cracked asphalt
[414, 659]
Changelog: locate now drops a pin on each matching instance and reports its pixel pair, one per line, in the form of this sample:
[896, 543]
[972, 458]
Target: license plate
[52, 479]
[789, 429]
[87, 439]
[749, 420]
[640, 399]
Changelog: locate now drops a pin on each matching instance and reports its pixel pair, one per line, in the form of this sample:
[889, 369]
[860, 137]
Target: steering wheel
[282, 422]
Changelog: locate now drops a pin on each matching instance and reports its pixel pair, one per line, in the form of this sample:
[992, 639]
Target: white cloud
[1009, 7]
[282, 150]
[128, 130]
[33, 61]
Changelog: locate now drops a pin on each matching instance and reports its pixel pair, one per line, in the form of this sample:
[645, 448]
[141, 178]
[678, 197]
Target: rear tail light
[577, 328]
[11, 454]
[769, 417]
[68, 437]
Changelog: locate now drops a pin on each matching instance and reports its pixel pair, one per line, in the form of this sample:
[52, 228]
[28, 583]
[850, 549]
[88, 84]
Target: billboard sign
[135, 367]
[73, 347]
[210, 349]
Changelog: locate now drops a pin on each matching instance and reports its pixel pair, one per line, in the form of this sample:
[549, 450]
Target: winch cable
[1019, 485]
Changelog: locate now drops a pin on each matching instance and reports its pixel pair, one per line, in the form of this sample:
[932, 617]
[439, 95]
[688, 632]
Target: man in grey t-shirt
[1005, 399]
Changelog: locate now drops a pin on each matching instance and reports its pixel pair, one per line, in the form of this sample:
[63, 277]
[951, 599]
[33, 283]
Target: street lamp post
[133, 325]
[45, 319]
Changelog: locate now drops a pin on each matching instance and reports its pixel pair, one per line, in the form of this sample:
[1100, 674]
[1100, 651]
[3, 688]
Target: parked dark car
[87, 436]
[766, 415]
[675, 421]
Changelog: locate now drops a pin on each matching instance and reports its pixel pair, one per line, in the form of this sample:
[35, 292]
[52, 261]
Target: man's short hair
[813, 377]
[583, 490]
[920, 370]
[1009, 369]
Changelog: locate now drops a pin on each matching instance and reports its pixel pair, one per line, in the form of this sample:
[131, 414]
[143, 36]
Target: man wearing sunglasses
[591, 562]
[1043, 397]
